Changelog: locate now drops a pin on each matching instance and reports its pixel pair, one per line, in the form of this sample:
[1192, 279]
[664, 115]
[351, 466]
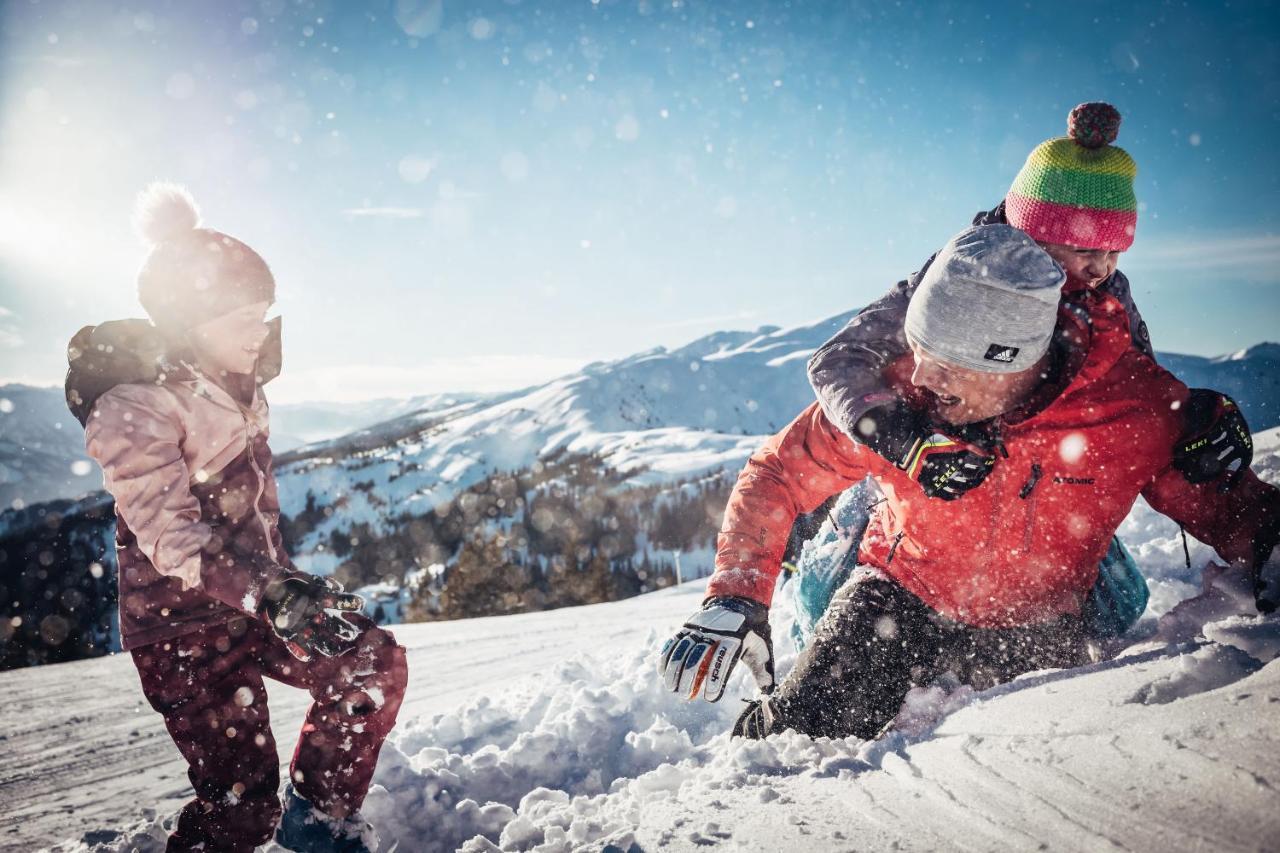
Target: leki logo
[1074, 481]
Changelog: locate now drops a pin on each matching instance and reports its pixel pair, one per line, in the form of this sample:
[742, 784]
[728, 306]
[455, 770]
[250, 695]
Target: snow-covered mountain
[659, 415]
[296, 424]
[1251, 376]
[675, 412]
[42, 446]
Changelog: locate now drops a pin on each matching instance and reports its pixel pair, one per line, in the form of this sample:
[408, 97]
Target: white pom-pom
[163, 212]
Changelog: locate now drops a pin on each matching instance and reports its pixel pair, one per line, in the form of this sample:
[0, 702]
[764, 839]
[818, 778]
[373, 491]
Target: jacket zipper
[1028, 493]
[257, 503]
[246, 415]
[1030, 485]
[997, 442]
[893, 549]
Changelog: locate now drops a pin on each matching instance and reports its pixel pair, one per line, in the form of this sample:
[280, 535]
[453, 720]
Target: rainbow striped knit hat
[1078, 189]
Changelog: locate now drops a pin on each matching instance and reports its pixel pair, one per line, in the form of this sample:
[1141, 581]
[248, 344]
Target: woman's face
[231, 343]
[1088, 267]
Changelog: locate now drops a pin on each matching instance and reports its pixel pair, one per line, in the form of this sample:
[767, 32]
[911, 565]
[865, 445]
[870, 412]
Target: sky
[481, 196]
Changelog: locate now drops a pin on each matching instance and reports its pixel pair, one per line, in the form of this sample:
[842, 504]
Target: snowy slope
[512, 732]
[663, 414]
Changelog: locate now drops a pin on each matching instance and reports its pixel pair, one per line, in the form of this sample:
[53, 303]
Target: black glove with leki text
[946, 467]
[1215, 439]
[702, 654]
[307, 612]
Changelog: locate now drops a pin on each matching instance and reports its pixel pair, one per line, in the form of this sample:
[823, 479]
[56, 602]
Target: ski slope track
[549, 731]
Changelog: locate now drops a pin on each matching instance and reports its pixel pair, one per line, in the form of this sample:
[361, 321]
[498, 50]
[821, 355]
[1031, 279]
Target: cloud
[10, 337]
[481, 373]
[62, 61]
[1252, 255]
[717, 320]
[386, 212]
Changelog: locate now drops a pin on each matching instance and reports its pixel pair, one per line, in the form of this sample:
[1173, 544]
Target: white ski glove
[700, 657]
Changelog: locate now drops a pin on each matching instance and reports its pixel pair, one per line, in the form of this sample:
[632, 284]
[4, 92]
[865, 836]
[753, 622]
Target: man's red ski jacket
[1024, 546]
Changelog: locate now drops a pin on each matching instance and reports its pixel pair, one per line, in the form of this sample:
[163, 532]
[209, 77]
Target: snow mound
[596, 755]
[1205, 669]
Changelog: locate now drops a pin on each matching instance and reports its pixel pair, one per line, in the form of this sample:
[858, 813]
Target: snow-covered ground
[549, 731]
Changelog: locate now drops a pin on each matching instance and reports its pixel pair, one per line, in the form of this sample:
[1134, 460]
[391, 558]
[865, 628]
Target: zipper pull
[894, 548]
[998, 438]
[1030, 486]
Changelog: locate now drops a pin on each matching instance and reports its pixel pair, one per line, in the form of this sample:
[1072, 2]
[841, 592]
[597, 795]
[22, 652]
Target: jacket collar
[190, 376]
[1092, 335]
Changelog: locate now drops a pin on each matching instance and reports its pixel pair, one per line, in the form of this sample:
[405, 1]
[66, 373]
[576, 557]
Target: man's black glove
[298, 609]
[756, 722]
[701, 655]
[1215, 439]
[945, 467]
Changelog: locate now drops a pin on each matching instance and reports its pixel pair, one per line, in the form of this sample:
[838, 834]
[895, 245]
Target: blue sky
[474, 196]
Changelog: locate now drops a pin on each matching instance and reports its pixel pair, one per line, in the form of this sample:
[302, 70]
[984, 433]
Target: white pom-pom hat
[163, 212]
[192, 274]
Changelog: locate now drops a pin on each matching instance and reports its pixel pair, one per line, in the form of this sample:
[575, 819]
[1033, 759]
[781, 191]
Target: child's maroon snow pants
[208, 685]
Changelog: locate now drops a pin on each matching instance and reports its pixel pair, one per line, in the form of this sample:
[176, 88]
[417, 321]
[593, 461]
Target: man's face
[1088, 267]
[231, 343]
[964, 396]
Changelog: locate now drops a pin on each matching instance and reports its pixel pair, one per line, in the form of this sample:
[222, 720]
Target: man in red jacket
[992, 585]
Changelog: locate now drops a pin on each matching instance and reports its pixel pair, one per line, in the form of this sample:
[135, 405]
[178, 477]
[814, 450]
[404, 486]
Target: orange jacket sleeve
[794, 472]
[1238, 524]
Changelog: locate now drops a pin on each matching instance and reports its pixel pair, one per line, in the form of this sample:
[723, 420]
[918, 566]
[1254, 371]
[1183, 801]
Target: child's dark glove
[1215, 439]
[299, 610]
[947, 467]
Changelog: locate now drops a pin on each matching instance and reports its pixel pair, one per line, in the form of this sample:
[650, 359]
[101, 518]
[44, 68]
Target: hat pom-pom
[165, 212]
[1094, 124]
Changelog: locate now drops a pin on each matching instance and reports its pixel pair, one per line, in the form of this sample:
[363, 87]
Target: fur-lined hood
[121, 352]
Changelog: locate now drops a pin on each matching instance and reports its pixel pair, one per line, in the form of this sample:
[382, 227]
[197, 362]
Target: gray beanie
[988, 302]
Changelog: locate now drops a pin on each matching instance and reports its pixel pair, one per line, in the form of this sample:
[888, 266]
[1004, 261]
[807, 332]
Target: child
[1075, 197]
[209, 600]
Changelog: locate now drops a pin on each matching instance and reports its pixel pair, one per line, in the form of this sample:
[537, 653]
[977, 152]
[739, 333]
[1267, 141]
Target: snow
[551, 732]
[1167, 747]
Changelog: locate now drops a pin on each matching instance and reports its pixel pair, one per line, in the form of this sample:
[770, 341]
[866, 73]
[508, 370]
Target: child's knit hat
[1078, 189]
[193, 274]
